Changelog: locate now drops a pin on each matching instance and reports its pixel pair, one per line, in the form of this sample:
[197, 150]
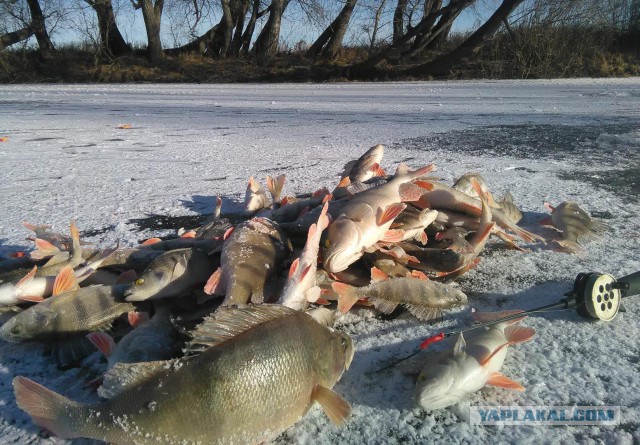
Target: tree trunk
[236, 41]
[111, 40]
[428, 40]
[443, 64]
[266, 45]
[251, 26]
[398, 20]
[37, 20]
[152, 14]
[330, 41]
[14, 37]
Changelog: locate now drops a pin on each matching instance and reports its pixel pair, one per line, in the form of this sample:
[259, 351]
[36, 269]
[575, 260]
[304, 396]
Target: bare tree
[266, 45]
[152, 14]
[329, 42]
[111, 41]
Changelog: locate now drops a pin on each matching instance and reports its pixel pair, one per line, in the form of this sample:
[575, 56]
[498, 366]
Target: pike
[301, 287]
[366, 219]
[424, 298]
[256, 372]
[172, 274]
[575, 224]
[251, 259]
[450, 376]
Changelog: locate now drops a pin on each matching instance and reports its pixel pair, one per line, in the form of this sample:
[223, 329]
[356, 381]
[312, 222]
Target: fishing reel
[598, 296]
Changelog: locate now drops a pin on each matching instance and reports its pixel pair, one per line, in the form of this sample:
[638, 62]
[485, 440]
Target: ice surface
[543, 141]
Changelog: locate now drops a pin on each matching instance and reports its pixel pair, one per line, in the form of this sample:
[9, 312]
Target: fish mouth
[5, 332]
[132, 295]
[338, 261]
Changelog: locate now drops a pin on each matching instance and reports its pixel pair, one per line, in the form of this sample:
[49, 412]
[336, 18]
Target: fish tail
[347, 296]
[48, 409]
[569, 246]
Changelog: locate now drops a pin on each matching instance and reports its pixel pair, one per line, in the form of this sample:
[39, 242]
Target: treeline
[392, 39]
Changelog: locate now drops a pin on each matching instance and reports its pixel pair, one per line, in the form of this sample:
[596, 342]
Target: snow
[543, 141]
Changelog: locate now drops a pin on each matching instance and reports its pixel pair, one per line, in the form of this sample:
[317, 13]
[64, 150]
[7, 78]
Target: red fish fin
[323, 301]
[103, 342]
[65, 281]
[137, 318]
[390, 213]
[327, 198]
[17, 254]
[343, 182]
[549, 207]
[335, 407]
[151, 241]
[519, 334]
[478, 188]
[228, 233]
[44, 249]
[425, 185]
[31, 298]
[347, 296]
[28, 277]
[323, 219]
[127, 277]
[189, 234]
[393, 236]
[284, 201]
[294, 267]
[320, 192]
[471, 209]
[378, 275]
[311, 233]
[47, 408]
[305, 271]
[501, 381]
[214, 284]
[410, 192]
[422, 237]
[419, 275]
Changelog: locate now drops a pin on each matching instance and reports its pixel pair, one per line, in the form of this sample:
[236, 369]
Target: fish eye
[327, 243]
[139, 281]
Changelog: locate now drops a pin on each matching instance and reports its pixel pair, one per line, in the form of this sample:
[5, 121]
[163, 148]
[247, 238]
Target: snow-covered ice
[550, 141]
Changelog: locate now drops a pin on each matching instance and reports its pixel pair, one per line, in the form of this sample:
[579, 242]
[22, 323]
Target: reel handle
[633, 280]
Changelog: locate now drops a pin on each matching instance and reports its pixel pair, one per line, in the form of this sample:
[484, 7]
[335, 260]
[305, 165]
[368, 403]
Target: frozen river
[579, 140]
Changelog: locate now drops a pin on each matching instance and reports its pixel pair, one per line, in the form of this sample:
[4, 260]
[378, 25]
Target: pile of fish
[223, 333]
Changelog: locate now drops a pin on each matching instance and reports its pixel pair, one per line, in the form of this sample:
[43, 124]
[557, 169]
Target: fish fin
[70, 351]
[460, 347]
[335, 407]
[253, 185]
[419, 275]
[35, 227]
[151, 241]
[103, 342]
[502, 381]
[519, 334]
[75, 238]
[129, 375]
[425, 313]
[549, 207]
[422, 237]
[31, 298]
[306, 270]
[179, 268]
[346, 169]
[347, 296]
[214, 283]
[490, 200]
[321, 192]
[279, 184]
[486, 317]
[327, 198]
[424, 185]
[43, 249]
[127, 277]
[377, 170]
[569, 246]
[360, 213]
[323, 219]
[384, 306]
[189, 234]
[228, 233]
[378, 275]
[507, 197]
[393, 236]
[322, 301]
[344, 182]
[390, 213]
[28, 277]
[311, 233]
[137, 318]
[402, 169]
[65, 281]
[228, 321]
[294, 267]
[410, 192]
[47, 408]
[322, 315]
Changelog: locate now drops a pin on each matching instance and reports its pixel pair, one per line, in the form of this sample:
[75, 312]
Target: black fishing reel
[599, 296]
